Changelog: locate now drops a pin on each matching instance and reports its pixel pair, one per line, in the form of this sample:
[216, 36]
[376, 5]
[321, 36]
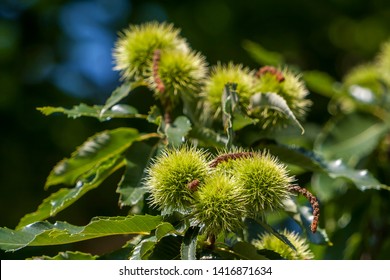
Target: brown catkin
[233, 156]
[272, 70]
[156, 61]
[314, 204]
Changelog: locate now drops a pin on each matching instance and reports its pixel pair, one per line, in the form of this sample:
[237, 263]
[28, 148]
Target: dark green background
[58, 53]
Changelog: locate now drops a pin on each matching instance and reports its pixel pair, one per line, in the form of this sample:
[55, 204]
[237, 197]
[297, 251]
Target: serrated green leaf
[68, 255]
[143, 250]
[83, 110]
[146, 247]
[277, 234]
[118, 94]
[297, 156]
[362, 179]
[350, 138]
[121, 110]
[208, 136]
[130, 196]
[240, 121]
[154, 115]
[188, 247]
[45, 233]
[130, 187]
[167, 248]
[64, 197]
[164, 229]
[91, 154]
[177, 131]
[261, 55]
[274, 101]
[327, 188]
[229, 104]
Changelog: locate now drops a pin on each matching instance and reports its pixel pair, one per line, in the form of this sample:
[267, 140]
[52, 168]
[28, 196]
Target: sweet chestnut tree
[220, 175]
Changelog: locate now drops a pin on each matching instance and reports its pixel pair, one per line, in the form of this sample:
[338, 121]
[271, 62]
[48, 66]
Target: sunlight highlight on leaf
[64, 197]
[45, 233]
[260, 101]
[91, 154]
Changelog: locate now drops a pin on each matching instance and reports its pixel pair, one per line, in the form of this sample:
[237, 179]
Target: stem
[148, 136]
[160, 87]
[167, 113]
[314, 204]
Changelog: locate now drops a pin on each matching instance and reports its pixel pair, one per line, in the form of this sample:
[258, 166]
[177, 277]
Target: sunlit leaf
[261, 55]
[177, 131]
[91, 154]
[208, 136]
[326, 188]
[75, 112]
[83, 110]
[240, 121]
[64, 197]
[154, 115]
[68, 255]
[117, 95]
[273, 101]
[145, 248]
[164, 229]
[277, 234]
[362, 179]
[45, 233]
[229, 105]
[297, 156]
[350, 138]
[122, 110]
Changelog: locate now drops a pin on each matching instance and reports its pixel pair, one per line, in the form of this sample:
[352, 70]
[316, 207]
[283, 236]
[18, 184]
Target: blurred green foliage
[59, 53]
